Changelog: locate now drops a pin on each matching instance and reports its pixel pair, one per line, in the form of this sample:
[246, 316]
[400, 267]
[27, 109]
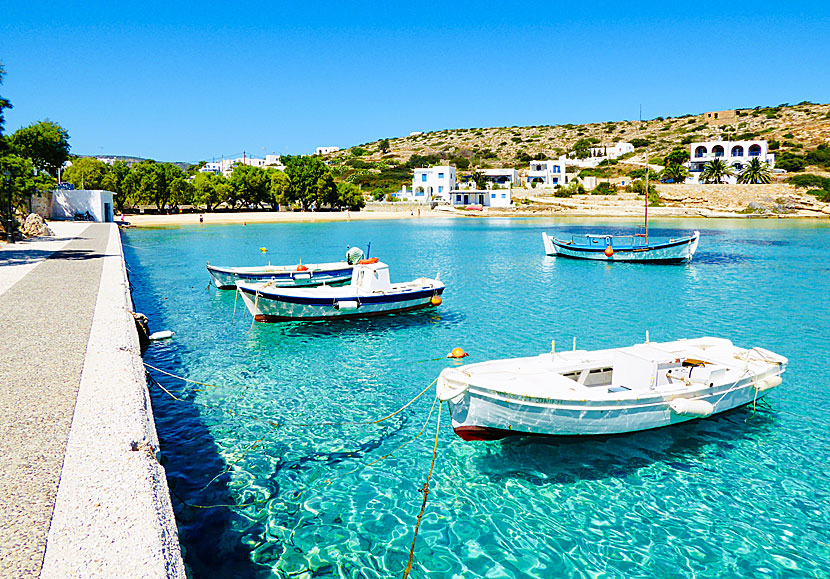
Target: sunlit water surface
[741, 494]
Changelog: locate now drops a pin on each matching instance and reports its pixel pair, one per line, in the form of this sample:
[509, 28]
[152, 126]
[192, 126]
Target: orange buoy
[457, 353]
[263, 249]
[301, 267]
[436, 300]
[367, 261]
[609, 251]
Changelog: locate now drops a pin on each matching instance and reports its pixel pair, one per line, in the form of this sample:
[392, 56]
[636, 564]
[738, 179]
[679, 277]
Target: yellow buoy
[436, 300]
[457, 353]
[263, 249]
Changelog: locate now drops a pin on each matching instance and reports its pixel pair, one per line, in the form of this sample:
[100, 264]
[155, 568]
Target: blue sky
[179, 81]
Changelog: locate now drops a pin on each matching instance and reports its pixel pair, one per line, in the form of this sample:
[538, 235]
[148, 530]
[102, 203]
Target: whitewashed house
[501, 177]
[326, 150]
[547, 173]
[225, 166]
[67, 203]
[736, 154]
[612, 151]
[483, 197]
[433, 183]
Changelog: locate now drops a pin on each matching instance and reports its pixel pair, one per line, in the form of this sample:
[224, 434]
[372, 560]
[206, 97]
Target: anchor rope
[425, 491]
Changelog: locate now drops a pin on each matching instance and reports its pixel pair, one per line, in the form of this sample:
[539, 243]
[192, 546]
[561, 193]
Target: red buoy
[301, 267]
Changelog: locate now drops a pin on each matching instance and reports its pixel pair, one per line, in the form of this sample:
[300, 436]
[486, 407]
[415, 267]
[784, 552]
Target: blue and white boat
[602, 392]
[370, 293]
[623, 247]
[303, 275]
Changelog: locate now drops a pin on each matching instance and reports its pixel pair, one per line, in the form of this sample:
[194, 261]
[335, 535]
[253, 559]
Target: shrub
[806, 181]
[819, 156]
[604, 188]
[358, 151]
[640, 142]
[790, 162]
[774, 145]
[574, 188]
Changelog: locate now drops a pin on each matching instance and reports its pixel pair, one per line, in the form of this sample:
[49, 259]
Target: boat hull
[480, 414]
[594, 248]
[226, 278]
[273, 307]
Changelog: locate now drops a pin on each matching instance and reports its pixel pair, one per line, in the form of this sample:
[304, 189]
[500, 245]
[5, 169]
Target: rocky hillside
[790, 129]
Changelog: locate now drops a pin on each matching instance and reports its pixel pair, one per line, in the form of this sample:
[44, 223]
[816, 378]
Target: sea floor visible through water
[262, 487]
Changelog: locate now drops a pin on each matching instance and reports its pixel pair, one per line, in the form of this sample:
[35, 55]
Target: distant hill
[132, 160]
[792, 129]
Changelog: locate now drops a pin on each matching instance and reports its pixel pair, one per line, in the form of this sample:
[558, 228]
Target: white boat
[606, 391]
[370, 293]
[310, 274]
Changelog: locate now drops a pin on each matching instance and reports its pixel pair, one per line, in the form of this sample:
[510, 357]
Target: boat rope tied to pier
[425, 491]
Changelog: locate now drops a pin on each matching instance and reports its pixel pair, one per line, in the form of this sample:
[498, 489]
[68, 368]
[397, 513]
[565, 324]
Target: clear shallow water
[741, 494]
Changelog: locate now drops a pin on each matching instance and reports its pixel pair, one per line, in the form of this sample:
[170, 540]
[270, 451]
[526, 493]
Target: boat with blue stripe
[623, 247]
[370, 293]
[299, 275]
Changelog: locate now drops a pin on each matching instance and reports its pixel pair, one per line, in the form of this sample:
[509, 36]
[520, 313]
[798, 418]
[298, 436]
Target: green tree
[755, 172]
[249, 186]
[114, 181]
[326, 191]
[349, 196]
[676, 157]
[303, 174]
[480, 179]
[45, 143]
[24, 180]
[675, 173]
[181, 191]
[208, 190]
[86, 173]
[151, 182]
[278, 186]
[716, 171]
[4, 104]
[383, 145]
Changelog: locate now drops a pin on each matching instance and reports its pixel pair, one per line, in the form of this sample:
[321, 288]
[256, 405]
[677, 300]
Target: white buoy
[686, 407]
[767, 383]
[161, 335]
[347, 305]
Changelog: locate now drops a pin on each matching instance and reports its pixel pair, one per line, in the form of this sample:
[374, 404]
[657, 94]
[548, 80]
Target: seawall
[112, 514]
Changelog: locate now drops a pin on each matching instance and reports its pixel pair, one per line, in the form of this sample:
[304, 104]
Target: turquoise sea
[262, 488]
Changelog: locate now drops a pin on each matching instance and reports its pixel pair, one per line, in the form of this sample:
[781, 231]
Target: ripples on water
[740, 494]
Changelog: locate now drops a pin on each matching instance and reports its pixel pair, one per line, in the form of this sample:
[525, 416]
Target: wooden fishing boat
[602, 392]
[370, 293]
[637, 247]
[304, 275]
[623, 247]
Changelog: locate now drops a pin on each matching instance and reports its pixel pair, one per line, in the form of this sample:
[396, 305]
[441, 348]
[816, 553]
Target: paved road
[45, 319]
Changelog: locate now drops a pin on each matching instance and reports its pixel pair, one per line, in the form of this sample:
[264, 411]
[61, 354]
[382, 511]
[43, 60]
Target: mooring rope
[424, 490]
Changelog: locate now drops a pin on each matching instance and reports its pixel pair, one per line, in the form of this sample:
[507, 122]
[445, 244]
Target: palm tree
[674, 172]
[716, 171]
[755, 172]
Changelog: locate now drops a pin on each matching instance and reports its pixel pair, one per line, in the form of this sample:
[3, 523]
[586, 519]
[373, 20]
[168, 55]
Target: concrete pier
[81, 491]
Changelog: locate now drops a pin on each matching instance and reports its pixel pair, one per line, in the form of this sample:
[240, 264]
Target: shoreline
[187, 219]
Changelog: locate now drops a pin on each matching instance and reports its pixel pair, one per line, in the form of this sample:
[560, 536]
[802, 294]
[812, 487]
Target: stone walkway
[45, 320]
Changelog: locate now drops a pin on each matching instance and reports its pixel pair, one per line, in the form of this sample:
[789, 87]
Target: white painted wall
[736, 154]
[547, 173]
[485, 197]
[66, 203]
[433, 183]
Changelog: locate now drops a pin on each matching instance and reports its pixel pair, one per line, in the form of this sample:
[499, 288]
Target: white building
[547, 173]
[612, 151]
[433, 183]
[736, 154]
[67, 203]
[501, 177]
[326, 150]
[225, 166]
[485, 198]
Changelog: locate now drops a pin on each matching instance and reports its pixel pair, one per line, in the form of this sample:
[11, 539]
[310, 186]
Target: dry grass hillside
[790, 129]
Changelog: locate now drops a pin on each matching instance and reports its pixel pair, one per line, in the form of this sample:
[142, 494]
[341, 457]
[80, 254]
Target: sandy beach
[149, 220]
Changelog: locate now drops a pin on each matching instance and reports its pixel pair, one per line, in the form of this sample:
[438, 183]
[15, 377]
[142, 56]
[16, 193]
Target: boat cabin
[371, 277]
